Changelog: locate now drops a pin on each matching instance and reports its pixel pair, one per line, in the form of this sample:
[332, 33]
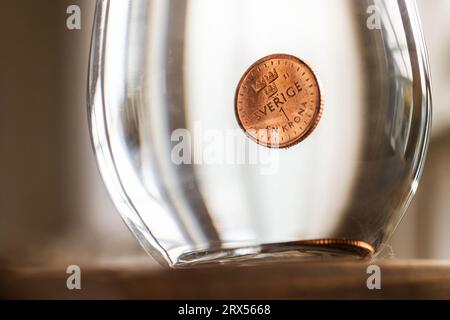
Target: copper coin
[360, 247]
[278, 101]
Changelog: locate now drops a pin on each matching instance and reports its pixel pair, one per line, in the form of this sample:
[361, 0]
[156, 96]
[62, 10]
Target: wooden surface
[299, 280]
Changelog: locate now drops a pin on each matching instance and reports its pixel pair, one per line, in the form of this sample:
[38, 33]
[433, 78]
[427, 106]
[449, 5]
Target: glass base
[306, 250]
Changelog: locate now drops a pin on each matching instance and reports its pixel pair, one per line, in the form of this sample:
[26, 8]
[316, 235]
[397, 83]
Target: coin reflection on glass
[278, 101]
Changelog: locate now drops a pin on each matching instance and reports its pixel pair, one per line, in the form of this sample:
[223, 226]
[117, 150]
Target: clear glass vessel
[188, 181]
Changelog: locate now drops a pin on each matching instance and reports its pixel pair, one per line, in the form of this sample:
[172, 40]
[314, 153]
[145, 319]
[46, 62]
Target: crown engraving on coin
[278, 101]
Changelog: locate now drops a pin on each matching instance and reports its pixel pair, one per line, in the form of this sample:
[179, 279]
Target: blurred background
[54, 209]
